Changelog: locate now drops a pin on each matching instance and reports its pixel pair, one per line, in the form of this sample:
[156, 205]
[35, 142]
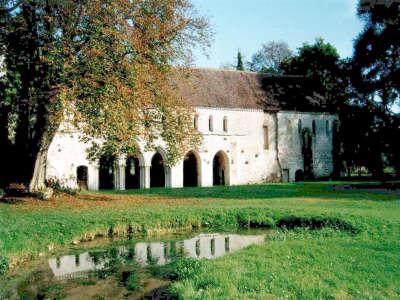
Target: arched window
[314, 127]
[289, 130]
[225, 124]
[327, 127]
[266, 137]
[335, 126]
[210, 123]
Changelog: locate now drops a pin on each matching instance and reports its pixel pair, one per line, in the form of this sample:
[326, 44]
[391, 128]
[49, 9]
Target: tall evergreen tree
[375, 78]
[376, 61]
[240, 64]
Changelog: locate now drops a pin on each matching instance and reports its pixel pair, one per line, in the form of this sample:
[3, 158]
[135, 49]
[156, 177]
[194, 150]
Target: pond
[135, 268]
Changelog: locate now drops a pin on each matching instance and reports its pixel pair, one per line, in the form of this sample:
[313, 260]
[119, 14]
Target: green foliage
[58, 186]
[316, 222]
[240, 64]
[132, 283]
[187, 268]
[351, 252]
[106, 65]
[3, 265]
[376, 54]
[375, 70]
[254, 219]
[321, 63]
[269, 58]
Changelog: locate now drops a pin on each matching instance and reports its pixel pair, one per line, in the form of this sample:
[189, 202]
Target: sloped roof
[247, 90]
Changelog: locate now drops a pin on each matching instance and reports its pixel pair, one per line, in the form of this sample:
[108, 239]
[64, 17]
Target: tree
[270, 57]
[105, 66]
[375, 78]
[240, 65]
[321, 63]
[376, 61]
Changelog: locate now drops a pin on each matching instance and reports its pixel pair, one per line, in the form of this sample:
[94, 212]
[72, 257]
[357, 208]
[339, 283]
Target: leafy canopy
[108, 68]
[376, 58]
[270, 57]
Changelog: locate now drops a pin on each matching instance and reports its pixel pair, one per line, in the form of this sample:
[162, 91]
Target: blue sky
[246, 24]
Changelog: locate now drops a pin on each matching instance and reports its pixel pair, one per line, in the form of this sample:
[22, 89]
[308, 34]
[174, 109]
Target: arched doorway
[106, 172]
[221, 169]
[157, 171]
[82, 177]
[307, 152]
[191, 170]
[132, 173]
[299, 175]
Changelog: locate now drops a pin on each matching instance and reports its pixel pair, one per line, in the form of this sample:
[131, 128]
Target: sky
[247, 24]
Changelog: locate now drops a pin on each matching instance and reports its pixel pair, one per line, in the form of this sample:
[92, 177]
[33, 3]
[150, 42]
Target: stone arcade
[249, 136]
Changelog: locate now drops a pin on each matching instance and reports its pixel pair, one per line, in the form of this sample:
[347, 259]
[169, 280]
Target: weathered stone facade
[250, 149]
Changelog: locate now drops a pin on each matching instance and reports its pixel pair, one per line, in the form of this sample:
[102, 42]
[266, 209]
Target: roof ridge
[222, 70]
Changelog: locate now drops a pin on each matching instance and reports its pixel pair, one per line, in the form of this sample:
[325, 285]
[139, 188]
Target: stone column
[93, 177]
[119, 174]
[144, 177]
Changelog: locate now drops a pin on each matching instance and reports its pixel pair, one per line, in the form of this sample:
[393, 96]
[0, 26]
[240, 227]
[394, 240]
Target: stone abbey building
[255, 128]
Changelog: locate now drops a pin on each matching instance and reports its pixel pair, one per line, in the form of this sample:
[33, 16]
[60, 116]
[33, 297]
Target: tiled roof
[247, 90]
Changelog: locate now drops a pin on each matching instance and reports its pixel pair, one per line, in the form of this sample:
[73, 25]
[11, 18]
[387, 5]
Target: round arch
[307, 152]
[107, 172]
[133, 171]
[160, 172]
[221, 169]
[191, 169]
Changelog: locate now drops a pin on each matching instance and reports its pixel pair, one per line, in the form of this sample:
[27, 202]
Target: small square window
[266, 138]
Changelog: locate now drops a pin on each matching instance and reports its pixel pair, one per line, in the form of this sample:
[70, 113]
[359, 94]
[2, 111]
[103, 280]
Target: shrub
[4, 264]
[316, 222]
[60, 187]
[132, 282]
[187, 267]
[44, 194]
[254, 219]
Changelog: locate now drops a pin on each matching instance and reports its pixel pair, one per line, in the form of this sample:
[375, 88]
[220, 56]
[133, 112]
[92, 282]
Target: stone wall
[290, 151]
[242, 144]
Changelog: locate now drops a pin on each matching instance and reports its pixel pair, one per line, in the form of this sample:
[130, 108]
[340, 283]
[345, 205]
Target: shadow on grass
[319, 190]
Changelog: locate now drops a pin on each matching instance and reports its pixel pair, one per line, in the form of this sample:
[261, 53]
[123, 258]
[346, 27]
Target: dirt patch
[84, 201]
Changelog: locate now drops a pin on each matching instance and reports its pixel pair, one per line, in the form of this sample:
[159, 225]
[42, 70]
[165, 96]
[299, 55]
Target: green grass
[353, 251]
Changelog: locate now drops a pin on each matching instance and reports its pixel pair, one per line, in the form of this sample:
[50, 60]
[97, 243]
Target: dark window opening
[314, 127]
[82, 177]
[225, 124]
[220, 168]
[132, 173]
[266, 138]
[106, 172]
[157, 171]
[210, 124]
[190, 170]
[327, 128]
[307, 154]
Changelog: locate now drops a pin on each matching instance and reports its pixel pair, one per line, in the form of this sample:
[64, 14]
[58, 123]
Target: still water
[120, 269]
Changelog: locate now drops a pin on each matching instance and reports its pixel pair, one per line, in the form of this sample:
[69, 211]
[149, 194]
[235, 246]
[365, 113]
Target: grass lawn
[352, 252]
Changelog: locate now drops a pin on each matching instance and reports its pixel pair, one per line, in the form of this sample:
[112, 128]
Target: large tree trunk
[5, 145]
[38, 181]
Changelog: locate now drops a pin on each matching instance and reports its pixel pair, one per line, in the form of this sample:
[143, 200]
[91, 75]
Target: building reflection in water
[206, 246]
